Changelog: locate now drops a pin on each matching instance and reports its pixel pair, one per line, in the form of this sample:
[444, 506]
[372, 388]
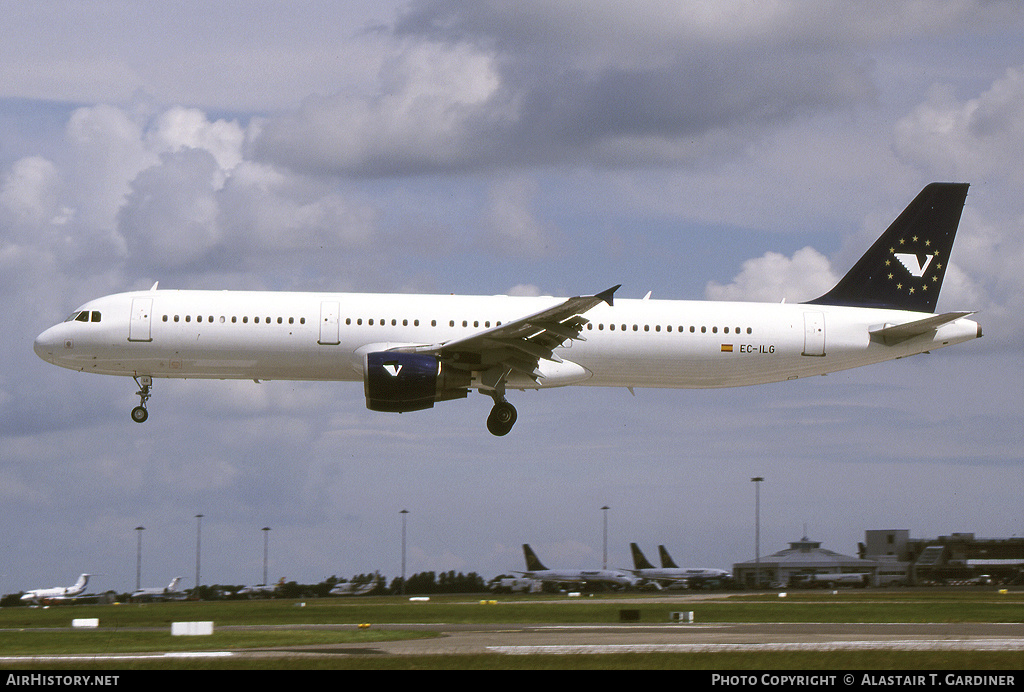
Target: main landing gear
[139, 413]
[502, 417]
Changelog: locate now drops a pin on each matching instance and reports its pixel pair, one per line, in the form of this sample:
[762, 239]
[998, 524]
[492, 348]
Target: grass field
[142, 628]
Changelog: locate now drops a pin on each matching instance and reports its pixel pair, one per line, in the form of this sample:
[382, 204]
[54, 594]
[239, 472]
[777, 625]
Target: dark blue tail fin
[639, 559]
[532, 563]
[904, 269]
[666, 559]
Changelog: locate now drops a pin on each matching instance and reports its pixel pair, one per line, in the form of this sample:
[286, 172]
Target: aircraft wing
[520, 344]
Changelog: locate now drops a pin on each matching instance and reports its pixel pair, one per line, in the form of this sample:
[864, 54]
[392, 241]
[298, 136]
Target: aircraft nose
[39, 346]
[44, 345]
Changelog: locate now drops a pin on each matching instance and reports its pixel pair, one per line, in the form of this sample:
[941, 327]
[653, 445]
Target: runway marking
[113, 657]
[918, 645]
[667, 626]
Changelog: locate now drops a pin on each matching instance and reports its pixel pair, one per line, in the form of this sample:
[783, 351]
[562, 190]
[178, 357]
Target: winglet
[608, 295]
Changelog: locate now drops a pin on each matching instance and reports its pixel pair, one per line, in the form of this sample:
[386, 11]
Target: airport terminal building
[958, 558]
[890, 557]
[805, 563]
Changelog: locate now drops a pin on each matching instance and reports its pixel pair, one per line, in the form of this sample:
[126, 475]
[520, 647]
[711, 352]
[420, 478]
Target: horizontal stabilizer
[894, 334]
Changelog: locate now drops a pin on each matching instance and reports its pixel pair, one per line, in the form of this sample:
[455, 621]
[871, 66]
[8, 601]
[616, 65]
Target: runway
[517, 639]
[678, 638]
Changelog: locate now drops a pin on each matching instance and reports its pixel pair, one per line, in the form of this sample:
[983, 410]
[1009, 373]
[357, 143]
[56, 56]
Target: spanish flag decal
[726, 348]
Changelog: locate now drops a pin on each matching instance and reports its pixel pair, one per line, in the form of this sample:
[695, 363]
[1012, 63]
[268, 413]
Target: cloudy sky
[732, 150]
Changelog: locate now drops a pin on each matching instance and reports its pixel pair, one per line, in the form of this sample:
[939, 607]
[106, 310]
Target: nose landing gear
[139, 413]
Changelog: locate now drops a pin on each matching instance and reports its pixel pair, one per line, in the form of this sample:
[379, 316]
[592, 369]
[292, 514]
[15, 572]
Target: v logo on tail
[917, 265]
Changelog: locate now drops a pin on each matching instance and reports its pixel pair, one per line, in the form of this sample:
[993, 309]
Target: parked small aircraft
[167, 593]
[57, 593]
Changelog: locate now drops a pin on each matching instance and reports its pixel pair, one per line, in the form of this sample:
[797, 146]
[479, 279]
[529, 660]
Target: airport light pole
[404, 512]
[199, 540]
[138, 557]
[756, 480]
[604, 512]
[266, 544]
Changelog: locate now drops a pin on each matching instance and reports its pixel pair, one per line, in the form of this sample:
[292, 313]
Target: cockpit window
[84, 316]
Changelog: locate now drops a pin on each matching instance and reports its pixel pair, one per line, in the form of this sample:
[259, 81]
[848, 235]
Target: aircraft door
[814, 334]
[329, 327]
[140, 324]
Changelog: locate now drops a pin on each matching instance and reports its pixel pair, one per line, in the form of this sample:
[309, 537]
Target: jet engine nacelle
[398, 382]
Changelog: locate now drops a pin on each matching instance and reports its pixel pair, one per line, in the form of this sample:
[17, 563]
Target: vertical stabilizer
[640, 560]
[666, 559]
[79, 586]
[904, 269]
[532, 563]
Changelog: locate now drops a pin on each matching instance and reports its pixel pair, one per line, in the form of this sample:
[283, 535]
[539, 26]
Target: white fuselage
[324, 336]
[575, 576]
[680, 573]
[57, 593]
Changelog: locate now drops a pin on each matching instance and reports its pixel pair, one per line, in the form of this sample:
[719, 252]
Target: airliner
[57, 593]
[412, 351]
[670, 574]
[610, 577]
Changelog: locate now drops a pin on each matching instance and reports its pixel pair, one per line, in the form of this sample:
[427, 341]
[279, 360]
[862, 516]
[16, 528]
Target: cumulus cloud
[433, 102]
[264, 210]
[180, 128]
[513, 224]
[170, 216]
[774, 277]
[524, 290]
[29, 193]
[188, 209]
[34, 240]
[173, 189]
[106, 152]
[485, 85]
[647, 29]
[979, 140]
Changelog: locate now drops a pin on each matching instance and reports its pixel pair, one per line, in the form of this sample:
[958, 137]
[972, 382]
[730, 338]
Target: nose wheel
[139, 413]
[501, 419]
